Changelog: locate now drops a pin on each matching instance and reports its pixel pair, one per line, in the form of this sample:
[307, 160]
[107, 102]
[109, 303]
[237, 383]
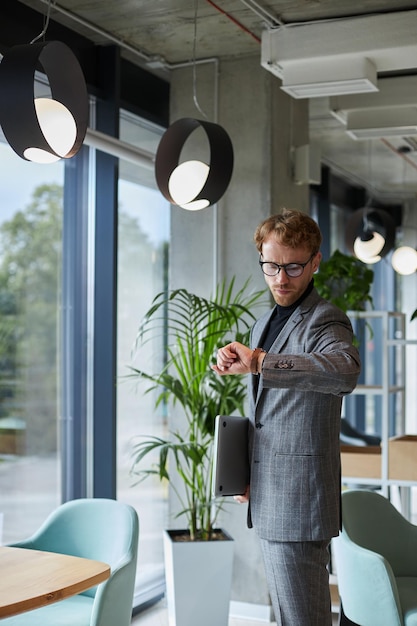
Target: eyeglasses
[292, 270]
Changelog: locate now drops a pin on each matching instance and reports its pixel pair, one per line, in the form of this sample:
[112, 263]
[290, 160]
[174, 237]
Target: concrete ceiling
[160, 34]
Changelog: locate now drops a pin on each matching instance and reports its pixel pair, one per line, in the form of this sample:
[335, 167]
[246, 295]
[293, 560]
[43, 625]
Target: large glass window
[364, 413]
[31, 250]
[30, 293]
[143, 236]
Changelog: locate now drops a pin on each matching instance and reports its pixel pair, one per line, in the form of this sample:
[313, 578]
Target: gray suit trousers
[298, 581]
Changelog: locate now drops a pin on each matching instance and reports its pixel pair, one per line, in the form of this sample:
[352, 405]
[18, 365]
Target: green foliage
[196, 327]
[345, 281]
[30, 261]
[414, 316]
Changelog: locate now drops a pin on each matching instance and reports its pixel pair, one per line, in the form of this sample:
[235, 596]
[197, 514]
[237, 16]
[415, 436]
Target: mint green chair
[376, 562]
[99, 529]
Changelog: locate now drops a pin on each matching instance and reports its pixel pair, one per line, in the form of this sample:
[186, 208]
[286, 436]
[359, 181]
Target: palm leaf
[194, 328]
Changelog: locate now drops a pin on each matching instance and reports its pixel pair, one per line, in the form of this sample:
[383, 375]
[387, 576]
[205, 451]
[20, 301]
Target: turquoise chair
[376, 562]
[99, 529]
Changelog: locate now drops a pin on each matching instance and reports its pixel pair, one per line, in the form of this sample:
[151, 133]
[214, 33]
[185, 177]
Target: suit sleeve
[327, 362]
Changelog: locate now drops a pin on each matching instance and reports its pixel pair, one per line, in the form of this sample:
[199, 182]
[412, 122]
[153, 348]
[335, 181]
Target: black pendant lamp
[193, 184]
[43, 129]
[370, 234]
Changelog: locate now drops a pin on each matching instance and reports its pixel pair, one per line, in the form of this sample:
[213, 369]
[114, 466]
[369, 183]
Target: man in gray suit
[302, 362]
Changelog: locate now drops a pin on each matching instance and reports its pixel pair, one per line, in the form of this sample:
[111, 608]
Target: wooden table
[30, 579]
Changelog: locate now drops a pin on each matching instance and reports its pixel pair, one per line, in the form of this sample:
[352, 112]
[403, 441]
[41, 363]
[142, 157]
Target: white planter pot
[198, 580]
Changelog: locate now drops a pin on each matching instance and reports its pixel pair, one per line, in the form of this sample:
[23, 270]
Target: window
[30, 294]
[143, 235]
[37, 240]
[363, 413]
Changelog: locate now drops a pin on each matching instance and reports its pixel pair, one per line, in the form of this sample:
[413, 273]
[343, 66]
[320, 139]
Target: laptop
[230, 456]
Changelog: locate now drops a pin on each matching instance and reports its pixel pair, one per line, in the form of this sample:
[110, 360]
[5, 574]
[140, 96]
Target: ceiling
[160, 34]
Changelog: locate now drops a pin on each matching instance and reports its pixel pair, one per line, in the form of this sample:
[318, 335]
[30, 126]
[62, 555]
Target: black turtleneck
[279, 318]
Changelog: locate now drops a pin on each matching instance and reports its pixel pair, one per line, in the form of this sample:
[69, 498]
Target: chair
[354, 437]
[376, 562]
[99, 529]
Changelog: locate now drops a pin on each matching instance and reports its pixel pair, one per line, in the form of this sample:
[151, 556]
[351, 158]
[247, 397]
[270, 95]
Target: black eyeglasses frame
[285, 266]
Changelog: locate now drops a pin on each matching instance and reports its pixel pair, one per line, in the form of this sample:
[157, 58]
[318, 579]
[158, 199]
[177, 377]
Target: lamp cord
[46, 22]
[194, 61]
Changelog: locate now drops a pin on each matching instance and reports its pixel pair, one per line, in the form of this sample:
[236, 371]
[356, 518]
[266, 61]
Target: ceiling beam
[387, 40]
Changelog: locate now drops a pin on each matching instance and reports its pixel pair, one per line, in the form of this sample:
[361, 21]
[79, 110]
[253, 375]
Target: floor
[156, 615]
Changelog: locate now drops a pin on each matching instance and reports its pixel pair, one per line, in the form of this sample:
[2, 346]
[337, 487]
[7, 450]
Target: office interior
[87, 242]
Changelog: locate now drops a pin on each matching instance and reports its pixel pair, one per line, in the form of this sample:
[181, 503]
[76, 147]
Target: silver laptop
[230, 455]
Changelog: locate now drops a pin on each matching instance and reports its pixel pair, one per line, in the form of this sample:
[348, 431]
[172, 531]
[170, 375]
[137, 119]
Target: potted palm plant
[194, 327]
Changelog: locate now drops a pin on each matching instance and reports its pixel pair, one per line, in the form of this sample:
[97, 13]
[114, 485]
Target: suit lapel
[292, 322]
[259, 333]
[259, 330]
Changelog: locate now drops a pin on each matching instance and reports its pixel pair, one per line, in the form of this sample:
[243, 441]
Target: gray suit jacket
[295, 411]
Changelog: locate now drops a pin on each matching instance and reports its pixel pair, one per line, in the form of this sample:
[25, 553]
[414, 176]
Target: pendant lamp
[404, 260]
[370, 234]
[193, 184]
[43, 129]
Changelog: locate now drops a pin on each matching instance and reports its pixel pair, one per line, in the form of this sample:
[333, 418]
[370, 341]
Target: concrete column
[265, 125]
